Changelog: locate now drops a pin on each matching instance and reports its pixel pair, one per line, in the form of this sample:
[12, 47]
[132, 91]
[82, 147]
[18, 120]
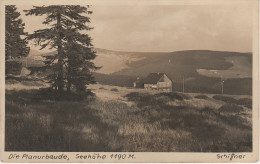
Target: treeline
[117, 80]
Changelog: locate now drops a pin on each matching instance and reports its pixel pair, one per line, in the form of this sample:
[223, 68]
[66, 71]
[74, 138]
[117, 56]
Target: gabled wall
[164, 84]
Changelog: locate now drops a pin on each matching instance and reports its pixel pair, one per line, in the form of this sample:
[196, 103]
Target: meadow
[127, 120]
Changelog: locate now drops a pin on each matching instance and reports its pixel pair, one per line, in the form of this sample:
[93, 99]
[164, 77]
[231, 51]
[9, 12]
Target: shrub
[11, 81]
[194, 122]
[174, 95]
[208, 111]
[191, 120]
[236, 121]
[148, 100]
[247, 102]
[184, 96]
[35, 96]
[230, 108]
[13, 67]
[201, 97]
[114, 90]
[225, 99]
[209, 132]
[12, 108]
[132, 94]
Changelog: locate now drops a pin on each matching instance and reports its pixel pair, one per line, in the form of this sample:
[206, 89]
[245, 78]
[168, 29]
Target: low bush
[114, 90]
[135, 96]
[230, 108]
[235, 121]
[50, 94]
[225, 99]
[201, 97]
[146, 100]
[247, 102]
[208, 111]
[13, 67]
[11, 81]
[174, 95]
[132, 94]
[35, 96]
[184, 96]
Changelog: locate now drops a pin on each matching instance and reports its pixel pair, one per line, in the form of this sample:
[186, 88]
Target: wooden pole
[183, 85]
[222, 85]
[222, 88]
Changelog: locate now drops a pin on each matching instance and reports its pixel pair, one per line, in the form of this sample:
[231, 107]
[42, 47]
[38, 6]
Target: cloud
[171, 28]
[167, 28]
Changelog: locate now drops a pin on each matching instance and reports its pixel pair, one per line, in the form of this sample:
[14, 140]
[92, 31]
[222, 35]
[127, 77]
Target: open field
[242, 68]
[126, 119]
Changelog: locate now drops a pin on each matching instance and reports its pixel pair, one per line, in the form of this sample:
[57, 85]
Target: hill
[200, 70]
[181, 63]
[191, 63]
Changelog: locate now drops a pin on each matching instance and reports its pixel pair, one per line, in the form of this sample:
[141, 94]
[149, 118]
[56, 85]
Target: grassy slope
[136, 122]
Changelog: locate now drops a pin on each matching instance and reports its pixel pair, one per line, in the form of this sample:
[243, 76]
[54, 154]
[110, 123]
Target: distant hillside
[114, 61]
[200, 69]
[174, 64]
[187, 63]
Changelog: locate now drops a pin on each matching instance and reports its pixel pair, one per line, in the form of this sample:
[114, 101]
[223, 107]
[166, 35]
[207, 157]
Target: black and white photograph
[130, 77]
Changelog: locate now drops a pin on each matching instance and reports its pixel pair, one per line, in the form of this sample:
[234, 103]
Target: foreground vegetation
[158, 122]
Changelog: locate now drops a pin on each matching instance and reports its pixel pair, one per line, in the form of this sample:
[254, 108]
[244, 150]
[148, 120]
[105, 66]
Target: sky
[165, 28]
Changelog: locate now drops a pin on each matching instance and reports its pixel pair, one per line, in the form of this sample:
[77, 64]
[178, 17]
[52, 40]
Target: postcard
[130, 81]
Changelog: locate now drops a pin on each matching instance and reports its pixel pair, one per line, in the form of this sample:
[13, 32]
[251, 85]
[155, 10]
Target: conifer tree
[72, 64]
[15, 41]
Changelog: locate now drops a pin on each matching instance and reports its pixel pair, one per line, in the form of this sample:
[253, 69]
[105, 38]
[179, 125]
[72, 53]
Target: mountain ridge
[200, 70]
[187, 62]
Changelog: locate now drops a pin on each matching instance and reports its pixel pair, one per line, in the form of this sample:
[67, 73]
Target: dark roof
[153, 78]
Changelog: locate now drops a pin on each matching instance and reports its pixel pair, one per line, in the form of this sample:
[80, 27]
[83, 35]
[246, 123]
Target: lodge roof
[153, 78]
